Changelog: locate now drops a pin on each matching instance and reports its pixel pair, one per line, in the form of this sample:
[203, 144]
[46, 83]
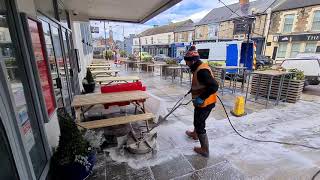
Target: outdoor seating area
[170, 140]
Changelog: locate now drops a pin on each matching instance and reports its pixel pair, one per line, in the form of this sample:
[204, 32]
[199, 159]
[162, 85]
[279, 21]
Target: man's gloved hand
[197, 101]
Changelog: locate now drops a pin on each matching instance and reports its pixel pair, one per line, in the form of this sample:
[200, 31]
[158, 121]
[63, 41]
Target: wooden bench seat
[116, 121]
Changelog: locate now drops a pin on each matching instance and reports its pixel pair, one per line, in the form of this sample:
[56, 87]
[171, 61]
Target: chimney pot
[243, 2]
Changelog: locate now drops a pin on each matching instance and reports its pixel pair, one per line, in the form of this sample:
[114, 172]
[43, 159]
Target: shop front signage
[301, 37]
[41, 62]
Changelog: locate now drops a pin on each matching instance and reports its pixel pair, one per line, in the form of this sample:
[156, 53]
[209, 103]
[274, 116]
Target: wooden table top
[272, 72]
[119, 78]
[178, 67]
[100, 64]
[94, 99]
[229, 67]
[105, 71]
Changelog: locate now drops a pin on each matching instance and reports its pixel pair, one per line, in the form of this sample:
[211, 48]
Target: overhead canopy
[135, 11]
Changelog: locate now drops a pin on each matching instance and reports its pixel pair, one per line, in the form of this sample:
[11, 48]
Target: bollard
[238, 109]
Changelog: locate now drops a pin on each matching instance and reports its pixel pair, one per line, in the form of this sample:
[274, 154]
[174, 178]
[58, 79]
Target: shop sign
[301, 37]
[94, 29]
[25, 128]
[41, 62]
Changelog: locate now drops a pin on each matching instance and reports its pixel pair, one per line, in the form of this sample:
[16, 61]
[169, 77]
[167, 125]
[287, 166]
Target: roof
[223, 13]
[254, 7]
[294, 4]
[219, 14]
[137, 11]
[164, 29]
[186, 27]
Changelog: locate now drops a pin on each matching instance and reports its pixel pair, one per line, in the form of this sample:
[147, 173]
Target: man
[203, 90]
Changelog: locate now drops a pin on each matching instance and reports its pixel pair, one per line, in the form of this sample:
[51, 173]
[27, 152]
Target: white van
[308, 63]
[229, 53]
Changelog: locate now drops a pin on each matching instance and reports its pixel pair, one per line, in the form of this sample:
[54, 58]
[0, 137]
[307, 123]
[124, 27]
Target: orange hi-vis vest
[197, 88]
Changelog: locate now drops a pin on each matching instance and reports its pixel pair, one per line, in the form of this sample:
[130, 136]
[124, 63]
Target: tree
[108, 54]
[123, 53]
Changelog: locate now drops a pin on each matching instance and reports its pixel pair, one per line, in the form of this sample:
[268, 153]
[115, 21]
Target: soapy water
[297, 123]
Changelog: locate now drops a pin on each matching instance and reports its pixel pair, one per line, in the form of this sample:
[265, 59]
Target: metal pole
[105, 34]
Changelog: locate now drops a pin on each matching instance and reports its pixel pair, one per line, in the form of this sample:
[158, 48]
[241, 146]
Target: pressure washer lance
[176, 106]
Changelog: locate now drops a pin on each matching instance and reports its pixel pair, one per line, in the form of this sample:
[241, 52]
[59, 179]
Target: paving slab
[220, 171]
[175, 167]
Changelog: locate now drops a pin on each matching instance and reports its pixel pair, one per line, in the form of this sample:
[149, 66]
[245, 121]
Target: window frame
[313, 21]
[299, 47]
[284, 23]
[285, 50]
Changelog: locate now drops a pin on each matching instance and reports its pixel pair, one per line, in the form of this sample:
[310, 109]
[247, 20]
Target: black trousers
[200, 117]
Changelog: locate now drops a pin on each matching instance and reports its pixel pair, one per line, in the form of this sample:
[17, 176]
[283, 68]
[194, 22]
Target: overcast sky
[186, 9]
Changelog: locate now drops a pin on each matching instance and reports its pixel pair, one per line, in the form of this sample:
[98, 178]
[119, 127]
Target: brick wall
[203, 30]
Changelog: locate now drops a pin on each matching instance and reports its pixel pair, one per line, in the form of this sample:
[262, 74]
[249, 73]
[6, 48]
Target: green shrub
[213, 64]
[147, 59]
[297, 74]
[108, 54]
[89, 77]
[71, 141]
[171, 61]
[123, 53]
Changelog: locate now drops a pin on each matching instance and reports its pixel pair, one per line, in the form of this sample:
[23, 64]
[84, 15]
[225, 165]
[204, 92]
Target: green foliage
[147, 59]
[108, 54]
[71, 142]
[123, 53]
[171, 61]
[213, 64]
[297, 74]
[89, 77]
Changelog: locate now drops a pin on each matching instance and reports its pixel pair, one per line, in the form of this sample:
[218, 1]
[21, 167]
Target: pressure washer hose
[267, 141]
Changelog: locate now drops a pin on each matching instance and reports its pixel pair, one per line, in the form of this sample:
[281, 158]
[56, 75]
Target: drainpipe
[266, 30]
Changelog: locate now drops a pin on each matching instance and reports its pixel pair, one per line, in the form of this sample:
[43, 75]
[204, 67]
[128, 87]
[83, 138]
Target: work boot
[192, 134]
[204, 149]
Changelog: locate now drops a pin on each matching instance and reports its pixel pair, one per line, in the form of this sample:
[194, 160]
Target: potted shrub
[108, 54]
[88, 82]
[74, 157]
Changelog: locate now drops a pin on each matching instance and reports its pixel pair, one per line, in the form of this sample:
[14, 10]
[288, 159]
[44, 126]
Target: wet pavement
[231, 157]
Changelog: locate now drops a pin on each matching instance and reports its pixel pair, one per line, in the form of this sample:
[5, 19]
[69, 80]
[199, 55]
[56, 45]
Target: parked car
[179, 59]
[262, 61]
[308, 63]
[161, 57]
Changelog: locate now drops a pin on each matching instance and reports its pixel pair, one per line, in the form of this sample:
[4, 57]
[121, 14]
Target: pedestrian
[204, 95]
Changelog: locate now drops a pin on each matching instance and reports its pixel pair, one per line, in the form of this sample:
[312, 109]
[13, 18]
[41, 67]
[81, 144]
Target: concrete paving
[231, 157]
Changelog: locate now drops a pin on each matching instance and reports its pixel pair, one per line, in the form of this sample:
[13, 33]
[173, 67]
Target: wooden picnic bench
[105, 73]
[116, 121]
[109, 80]
[89, 100]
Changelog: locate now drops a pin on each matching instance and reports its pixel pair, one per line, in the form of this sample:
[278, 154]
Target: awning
[135, 11]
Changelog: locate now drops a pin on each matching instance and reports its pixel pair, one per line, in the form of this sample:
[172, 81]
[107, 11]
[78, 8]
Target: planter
[291, 89]
[76, 171]
[89, 88]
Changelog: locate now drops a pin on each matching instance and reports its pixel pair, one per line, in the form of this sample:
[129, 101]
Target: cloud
[194, 17]
[188, 9]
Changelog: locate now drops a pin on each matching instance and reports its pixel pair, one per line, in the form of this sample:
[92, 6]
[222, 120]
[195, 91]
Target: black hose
[265, 141]
[268, 141]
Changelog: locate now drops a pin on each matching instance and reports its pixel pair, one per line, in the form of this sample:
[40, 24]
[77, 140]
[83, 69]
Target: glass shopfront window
[61, 68]
[52, 63]
[28, 124]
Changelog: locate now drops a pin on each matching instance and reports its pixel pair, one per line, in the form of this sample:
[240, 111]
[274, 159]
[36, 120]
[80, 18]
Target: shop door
[17, 89]
[74, 64]
[62, 69]
[53, 64]
[72, 71]
[8, 168]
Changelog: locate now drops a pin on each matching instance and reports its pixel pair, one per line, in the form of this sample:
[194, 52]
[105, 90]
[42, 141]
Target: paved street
[231, 157]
